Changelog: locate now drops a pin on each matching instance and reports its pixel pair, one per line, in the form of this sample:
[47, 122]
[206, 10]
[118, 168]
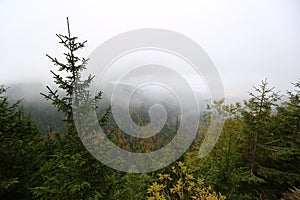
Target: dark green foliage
[70, 84]
[44, 115]
[19, 141]
[257, 155]
[257, 117]
[70, 172]
[46, 118]
[133, 187]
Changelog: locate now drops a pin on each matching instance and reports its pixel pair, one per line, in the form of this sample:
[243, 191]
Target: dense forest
[257, 155]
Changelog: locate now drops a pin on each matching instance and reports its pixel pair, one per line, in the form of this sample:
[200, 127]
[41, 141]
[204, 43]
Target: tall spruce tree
[74, 88]
[71, 172]
[257, 116]
[265, 176]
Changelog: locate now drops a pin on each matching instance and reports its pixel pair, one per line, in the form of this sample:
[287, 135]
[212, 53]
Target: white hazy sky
[247, 40]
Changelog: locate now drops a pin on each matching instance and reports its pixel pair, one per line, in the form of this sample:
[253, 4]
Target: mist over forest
[38, 136]
[160, 100]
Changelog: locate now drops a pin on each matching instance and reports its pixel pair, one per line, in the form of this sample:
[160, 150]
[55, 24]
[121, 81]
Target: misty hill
[45, 116]
[48, 118]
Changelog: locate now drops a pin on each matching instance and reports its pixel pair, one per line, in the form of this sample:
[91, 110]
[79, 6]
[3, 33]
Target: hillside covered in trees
[257, 155]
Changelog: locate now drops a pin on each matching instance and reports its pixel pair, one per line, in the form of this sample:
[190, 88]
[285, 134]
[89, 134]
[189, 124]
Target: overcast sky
[247, 40]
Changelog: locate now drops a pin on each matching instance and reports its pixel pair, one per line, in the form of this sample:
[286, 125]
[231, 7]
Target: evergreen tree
[19, 149]
[287, 135]
[71, 172]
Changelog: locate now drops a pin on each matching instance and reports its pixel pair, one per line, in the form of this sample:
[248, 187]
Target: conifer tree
[74, 88]
[257, 116]
[287, 135]
[71, 172]
[19, 149]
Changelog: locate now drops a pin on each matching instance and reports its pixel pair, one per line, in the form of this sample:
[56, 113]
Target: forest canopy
[257, 155]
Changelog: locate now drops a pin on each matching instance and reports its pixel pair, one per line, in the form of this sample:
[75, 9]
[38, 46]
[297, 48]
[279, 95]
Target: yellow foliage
[181, 185]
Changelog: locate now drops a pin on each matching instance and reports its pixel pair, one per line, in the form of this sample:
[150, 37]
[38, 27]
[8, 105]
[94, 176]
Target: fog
[247, 40]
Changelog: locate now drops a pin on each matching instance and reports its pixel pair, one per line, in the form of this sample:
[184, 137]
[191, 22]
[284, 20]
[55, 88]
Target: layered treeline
[257, 155]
